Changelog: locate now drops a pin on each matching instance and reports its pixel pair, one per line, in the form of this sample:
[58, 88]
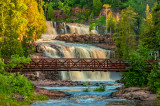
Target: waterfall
[80, 28]
[60, 49]
[51, 32]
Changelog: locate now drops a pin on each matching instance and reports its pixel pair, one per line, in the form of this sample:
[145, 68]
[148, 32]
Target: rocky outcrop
[135, 93]
[39, 75]
[52, 83]
[94, 39]
[50, 93]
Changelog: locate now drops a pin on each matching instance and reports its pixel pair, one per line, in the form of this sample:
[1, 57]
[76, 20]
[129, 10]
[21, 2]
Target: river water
[59, 49]
[92, 98]
[80, 98]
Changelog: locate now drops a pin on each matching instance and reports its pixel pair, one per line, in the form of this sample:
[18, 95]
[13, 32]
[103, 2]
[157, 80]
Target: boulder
[135, 93]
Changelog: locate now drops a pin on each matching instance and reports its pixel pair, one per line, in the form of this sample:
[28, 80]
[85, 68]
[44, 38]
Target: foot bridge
[75, 64]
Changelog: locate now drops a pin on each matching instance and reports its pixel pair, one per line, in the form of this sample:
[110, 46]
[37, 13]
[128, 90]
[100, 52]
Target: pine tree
[50, 12]
[125, 40]
[97, 5]
[156, 21]
[148, 36]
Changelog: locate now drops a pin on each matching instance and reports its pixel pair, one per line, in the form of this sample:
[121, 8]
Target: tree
[97, 5]
[65, 8]
[19, 19]
[156, 21]
[125, 39]
[151, 31]
[50, 12]
[107, 8]
[147, 34]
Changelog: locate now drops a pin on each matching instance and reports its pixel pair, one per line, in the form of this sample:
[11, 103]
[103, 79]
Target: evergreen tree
[50, 12]
[156, 21]
[151, 31]
[147, 34]
[125, 40]
[97, 5]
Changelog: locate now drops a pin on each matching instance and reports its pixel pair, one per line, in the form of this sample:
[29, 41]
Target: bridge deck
[75, 64]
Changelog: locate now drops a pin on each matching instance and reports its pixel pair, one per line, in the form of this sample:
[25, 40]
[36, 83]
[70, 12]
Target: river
[59, 49]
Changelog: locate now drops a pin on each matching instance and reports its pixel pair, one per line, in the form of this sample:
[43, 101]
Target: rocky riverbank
[51, 83]
[51, 94]
[105, 41]
[135, 93]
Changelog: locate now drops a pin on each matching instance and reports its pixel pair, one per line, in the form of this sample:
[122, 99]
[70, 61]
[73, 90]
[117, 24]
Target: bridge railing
[76, 64]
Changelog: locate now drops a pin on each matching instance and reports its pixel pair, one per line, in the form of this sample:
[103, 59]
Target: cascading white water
[60, 49]
[51, 32]
[80, 28]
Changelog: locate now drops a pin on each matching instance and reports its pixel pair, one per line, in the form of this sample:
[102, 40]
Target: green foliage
[17, 19]
[101, 21]
[137, 75]
[101, 88]
[17, 62]
[115, 4]
[91, 27]
[1, 65]
[97, 5]
[20, 85]
[11, 47]
[140, 5]
[68, 20]
[154, 79]
[158, 96]
[86, 90]
[8, 101]
[83, 15]
[148, 36]
[125, 39]
[156, 21]
[65, 8]
[14, 83]
[50, 12]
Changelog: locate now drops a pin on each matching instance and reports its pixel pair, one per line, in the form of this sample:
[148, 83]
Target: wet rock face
[135, 93]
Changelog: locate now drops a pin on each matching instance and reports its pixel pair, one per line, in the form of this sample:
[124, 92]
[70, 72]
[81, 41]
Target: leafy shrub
[101, 21]
[17, 62]
[154, 79]
[68, 20]
[91, 27]
[4, 85]
[15, 83]
[137, 75]
[101, 88]
[1, 65]
[20, 84]
[6, 100]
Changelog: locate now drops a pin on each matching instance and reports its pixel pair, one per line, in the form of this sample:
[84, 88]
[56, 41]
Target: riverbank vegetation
[135, 28]
[21, 22]
[15, 89]
[134, 24]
